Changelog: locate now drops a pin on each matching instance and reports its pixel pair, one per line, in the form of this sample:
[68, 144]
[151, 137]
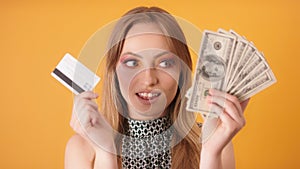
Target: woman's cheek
[171, 77]
[126, 77]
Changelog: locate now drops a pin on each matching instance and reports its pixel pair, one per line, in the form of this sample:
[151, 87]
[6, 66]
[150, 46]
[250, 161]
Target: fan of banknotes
[228, 62]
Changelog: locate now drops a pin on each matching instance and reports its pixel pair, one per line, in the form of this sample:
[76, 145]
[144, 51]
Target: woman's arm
[217, 133]
[79, 153]
[107, 159]
[93, 146]
[224, 160]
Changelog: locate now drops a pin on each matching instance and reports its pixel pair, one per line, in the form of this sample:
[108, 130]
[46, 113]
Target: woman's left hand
[218, 132]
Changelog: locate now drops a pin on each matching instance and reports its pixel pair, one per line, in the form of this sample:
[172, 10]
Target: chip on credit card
[74, 75]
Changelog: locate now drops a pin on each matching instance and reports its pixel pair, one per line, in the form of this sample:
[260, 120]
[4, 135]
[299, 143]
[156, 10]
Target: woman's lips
[147, 97]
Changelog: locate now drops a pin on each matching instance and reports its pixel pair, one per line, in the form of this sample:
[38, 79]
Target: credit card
[74, 75]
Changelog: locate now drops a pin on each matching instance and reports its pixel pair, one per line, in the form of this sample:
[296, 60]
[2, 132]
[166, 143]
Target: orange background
[36, 109]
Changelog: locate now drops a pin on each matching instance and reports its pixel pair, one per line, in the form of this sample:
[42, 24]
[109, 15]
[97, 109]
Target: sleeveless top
[146, 144]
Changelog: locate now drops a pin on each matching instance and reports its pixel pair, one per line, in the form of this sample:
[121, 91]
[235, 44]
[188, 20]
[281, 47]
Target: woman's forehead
[144, 28]
[145, 39]
[145, 43]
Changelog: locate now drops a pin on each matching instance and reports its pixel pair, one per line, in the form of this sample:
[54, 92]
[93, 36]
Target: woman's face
[148, 72]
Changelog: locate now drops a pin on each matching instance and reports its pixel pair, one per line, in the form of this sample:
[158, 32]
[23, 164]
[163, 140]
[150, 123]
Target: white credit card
[74, 75]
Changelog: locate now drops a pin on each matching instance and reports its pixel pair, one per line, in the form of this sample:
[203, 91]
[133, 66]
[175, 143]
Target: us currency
[240, 49]
[228, 62]
[261, 68]
[254, 87]
[230, 58]
[215, 52]
[251, 66]
[188, 93]
[250, 50]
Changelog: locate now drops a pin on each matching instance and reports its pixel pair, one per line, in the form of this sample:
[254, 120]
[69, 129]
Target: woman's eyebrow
[135, 54]
[131, 53]
[161, 54]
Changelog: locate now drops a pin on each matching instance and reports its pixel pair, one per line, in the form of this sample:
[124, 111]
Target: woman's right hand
[88, 122]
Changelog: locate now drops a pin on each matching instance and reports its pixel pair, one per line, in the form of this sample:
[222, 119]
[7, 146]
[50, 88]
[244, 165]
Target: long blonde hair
[185, 154]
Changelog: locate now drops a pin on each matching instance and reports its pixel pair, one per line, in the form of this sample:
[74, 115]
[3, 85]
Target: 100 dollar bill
[212, 66]
[260, 83]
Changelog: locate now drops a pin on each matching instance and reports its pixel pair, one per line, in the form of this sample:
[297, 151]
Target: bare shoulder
[78, 143]
[79, 153]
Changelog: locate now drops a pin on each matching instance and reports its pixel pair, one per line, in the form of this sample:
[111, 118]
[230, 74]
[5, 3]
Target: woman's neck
[145, 116]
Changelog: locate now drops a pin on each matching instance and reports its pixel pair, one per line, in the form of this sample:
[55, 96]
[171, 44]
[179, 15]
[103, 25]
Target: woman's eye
[131, 63]
[167, 63]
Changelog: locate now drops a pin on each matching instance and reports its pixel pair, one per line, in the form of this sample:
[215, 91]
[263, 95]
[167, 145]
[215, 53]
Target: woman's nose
[150, 76]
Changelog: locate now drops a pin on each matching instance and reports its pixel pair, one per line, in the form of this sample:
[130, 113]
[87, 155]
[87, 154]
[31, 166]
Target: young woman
[142, 122]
